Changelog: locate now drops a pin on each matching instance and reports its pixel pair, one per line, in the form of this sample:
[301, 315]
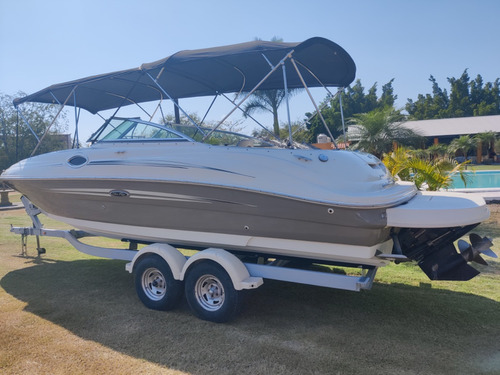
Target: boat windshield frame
[134, 129]
[220, 137]
[124, 129]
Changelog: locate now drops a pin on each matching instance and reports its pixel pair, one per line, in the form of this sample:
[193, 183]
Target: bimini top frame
[238, 68]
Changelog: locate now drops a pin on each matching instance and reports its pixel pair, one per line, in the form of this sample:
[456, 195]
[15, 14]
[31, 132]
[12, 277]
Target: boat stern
[425, 230]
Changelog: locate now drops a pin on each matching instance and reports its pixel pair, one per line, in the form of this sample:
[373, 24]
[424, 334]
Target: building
[444, 130]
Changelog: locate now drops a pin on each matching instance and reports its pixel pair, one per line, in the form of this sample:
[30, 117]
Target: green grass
[67, 312]
[483, 167]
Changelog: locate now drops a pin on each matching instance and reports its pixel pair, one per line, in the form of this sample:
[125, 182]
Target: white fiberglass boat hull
[279, 202]
[438, 210]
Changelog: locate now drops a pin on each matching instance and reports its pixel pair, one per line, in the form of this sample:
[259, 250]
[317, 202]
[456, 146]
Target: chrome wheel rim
[154, 284]
[209, 292]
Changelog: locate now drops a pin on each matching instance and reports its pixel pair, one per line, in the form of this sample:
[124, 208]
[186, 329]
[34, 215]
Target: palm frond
[254, 105]
[427, 173]
[433, 174]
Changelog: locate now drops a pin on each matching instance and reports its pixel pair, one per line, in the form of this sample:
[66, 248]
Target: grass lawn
[483, 167]
[69, 313]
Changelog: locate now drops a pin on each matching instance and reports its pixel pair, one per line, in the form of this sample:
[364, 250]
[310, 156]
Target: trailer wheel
[210, 292]
[155, 285]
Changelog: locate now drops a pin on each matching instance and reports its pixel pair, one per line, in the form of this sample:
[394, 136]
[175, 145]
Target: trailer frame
[242, 275]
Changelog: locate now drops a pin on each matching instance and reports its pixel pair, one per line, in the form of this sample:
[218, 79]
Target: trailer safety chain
[24, 245]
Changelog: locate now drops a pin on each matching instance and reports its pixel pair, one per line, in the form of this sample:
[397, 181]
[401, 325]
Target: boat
[194, 187]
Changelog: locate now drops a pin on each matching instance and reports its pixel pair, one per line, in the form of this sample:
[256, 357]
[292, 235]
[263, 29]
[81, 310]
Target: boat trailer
[211, 279]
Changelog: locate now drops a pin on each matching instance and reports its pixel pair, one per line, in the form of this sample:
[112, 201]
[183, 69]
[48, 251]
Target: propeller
[478, 245]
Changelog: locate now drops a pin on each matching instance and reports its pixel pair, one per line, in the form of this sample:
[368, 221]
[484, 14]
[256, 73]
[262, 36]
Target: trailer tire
[210, 292]
[155, 285]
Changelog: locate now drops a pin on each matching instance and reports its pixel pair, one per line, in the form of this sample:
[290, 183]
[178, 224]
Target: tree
[436, 151]
[17, 142]
[466, 98]
[485, 98]
[354, 101]
[299, 132]
[432, 174]
[460, 100]
[486, 139]
[231, 126]
[380, 128]
[462, 145]
[267, 101]
[184, 120]
[387, 98]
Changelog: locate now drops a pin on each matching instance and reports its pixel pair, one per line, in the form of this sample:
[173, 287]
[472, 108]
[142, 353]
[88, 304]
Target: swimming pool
[478, 180]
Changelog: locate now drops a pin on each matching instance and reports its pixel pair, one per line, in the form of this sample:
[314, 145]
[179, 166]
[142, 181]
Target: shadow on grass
[284, 328]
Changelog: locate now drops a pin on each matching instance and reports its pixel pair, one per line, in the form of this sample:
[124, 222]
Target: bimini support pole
[238, 105]
[290, 138]
[76, 138]
[254, 119]
[176, 102]
[314, 103]
[340, 91]
[53, 120]
[27, 123]
[208, 109]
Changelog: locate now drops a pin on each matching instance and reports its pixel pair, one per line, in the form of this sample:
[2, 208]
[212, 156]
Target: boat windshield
[219, 137]
[119, 129]
[135, 129]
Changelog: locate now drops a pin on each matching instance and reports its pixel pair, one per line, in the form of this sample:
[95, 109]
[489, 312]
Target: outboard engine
[436, 254]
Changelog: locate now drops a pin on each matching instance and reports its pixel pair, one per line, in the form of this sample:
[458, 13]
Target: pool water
[479, 179]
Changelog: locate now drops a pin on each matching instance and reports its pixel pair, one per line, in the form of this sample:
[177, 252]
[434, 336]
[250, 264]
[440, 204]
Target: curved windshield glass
[219, 137]
[119, 129]
[135, 129]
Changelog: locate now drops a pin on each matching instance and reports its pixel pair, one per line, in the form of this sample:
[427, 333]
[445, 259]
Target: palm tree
[462, 145]
[433, 174]
[396, 162]
[267, 101]
[486, 138]
[437, 151]
[380, 128]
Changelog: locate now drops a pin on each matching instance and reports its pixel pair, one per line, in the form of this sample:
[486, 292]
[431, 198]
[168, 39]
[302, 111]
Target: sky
[52, 41]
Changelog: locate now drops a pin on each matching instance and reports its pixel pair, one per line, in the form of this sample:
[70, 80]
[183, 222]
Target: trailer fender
[234, 267]
[170, 254]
